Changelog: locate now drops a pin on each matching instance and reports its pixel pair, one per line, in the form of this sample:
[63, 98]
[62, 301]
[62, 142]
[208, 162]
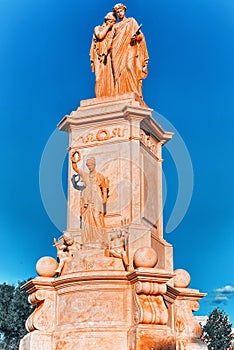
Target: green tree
[14, 310]
[217, 332]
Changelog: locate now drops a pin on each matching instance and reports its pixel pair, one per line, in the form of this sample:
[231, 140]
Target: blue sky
[45, 72]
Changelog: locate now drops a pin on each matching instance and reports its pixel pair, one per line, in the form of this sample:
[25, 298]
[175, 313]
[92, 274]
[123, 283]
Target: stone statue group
[118, 54]
[119, 60]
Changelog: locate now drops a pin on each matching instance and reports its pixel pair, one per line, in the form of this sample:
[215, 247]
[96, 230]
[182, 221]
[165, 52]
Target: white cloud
[225, 290]
[223, 294]
[218, 299]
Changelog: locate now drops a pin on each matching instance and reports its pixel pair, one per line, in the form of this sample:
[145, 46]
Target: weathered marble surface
[126, 143]
[122, 294]
[113, 309]
[118, 54]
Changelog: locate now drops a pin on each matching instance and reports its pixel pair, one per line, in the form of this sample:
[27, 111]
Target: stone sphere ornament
[145, 257]
[46, 266]
[182, 278]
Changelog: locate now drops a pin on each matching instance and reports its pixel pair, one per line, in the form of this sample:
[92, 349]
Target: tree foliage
[217, 332]
[14, 310]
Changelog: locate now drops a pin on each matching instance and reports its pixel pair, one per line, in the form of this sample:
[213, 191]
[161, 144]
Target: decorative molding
[43, 317]
[187, 327]
[151, 144]
[103, 134]
[150, 304]
[150, 275]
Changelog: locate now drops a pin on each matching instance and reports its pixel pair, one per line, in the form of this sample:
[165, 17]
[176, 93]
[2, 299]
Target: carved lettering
[101, 135]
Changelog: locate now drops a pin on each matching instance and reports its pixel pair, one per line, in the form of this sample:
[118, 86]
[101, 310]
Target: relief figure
[93, 201]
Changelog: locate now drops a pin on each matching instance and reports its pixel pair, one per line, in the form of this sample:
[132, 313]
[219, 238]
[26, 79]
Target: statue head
[91, 163]
[110, 17]
[68, 238]
[119, 6]
[115, 234]
[120, 9]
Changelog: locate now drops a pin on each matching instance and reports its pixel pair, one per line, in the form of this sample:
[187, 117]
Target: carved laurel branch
[150, 305]
[42, 317]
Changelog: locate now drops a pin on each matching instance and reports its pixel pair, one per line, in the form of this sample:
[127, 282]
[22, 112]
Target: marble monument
[113, 285]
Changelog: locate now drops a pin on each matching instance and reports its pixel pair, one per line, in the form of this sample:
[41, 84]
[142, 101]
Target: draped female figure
[93, 201]
[129, 54]
[100, 56]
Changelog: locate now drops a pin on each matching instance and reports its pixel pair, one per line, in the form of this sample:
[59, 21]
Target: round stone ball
[145, 257]
[182, 278]
[46, 266]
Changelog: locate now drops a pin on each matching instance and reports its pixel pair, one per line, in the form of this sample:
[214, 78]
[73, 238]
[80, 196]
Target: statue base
[109, 309]
[113, 297]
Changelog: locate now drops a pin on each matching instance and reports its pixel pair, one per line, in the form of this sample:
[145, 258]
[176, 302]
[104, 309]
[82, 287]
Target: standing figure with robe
[93, 201]
[100, 56]
[129, 54]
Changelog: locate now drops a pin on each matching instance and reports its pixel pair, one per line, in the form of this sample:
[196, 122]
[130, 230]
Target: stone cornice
[149, 274]
[151, 126]
[101, 277]
[187, 293]
[102, 114]
[114, 111]
[38, 283]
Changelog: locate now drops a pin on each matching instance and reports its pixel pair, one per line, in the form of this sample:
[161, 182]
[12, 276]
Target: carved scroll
[151, 307]
[43, 317]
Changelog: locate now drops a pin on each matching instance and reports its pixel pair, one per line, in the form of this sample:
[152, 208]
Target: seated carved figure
[117, 247]
[65, 250]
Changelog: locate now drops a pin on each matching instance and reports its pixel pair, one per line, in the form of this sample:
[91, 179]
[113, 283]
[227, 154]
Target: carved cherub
[65, 250]
[118, 246]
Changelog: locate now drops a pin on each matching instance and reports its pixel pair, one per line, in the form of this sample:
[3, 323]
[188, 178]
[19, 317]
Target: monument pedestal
[120, 294]
[109, 309]
[37, 340]
[154, 337]
[126, 143]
